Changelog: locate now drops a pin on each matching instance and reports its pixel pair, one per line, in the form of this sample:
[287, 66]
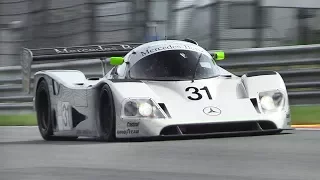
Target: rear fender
[70, 87]
[67, 78]
[57, 78]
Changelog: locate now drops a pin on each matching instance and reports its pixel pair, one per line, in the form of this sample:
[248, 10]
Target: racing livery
[156, 89]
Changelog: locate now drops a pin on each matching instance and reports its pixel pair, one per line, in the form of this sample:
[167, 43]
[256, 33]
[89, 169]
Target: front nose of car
[202, 114]
[212, 111]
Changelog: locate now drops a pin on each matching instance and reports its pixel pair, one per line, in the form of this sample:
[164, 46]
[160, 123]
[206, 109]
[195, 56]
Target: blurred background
[215, 24]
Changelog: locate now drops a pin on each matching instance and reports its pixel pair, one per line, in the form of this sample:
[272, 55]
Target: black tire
[45, 116]
[43, 109]
[106, 114]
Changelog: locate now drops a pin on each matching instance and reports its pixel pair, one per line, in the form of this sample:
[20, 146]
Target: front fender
[256, 82]
[123, 89]
[131, 89]
[262, 81]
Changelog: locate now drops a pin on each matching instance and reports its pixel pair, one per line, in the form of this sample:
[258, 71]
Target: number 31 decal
[197, 93]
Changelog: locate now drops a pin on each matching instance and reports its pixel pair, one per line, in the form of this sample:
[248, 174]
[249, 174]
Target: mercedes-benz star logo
[212, 111]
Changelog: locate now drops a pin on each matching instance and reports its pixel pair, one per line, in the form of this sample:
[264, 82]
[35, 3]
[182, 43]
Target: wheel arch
[37, 80]
[49, 80]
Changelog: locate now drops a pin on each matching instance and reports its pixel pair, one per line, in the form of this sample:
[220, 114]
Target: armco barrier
[298, 65]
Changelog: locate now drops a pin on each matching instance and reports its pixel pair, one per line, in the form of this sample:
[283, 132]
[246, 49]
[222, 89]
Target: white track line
[308, 129]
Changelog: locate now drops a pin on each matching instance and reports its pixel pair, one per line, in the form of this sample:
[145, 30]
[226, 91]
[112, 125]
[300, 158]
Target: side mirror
[115, 61]
[218, 56]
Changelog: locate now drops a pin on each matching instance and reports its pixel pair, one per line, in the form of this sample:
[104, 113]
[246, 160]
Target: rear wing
[29, 56]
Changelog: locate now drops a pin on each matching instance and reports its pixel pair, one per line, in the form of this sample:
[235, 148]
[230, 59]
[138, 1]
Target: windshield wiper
[195, 70]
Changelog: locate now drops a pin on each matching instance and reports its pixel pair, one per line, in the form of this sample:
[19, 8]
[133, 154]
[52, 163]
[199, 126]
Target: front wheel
[106, 114]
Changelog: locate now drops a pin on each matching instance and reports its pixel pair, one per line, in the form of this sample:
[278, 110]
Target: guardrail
[298, 65]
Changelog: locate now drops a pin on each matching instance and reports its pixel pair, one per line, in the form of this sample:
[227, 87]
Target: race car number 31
[197, 93]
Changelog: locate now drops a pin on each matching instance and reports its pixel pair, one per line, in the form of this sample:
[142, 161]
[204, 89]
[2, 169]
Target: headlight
[130, 108]
[141, 108]
[272, 100]
[145, 109]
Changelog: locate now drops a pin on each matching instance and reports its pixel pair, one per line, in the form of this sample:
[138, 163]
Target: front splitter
[209, 135]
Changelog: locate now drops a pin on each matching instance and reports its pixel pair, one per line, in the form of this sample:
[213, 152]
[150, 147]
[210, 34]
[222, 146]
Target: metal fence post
[215, 28]
[92, 23]
[259, 23]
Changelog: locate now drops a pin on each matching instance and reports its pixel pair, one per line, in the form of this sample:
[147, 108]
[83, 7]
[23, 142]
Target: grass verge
[299, 115]
[305, 115]
[18, 120]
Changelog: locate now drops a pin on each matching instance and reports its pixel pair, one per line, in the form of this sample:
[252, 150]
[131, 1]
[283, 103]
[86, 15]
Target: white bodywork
[232, 96]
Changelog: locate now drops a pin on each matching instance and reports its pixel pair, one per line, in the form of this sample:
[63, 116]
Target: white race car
[156, 89]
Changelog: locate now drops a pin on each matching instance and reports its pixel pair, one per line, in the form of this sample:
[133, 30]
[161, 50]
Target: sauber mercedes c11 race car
[165, 88]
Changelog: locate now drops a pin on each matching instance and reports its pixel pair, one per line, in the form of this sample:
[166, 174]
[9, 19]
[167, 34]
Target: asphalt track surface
[290, 156]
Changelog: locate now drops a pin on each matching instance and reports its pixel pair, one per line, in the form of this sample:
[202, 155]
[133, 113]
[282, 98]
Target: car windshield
[174, 65]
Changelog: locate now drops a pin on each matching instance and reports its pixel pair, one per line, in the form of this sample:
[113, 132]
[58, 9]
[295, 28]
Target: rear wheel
[106, 114]
[43, 109]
